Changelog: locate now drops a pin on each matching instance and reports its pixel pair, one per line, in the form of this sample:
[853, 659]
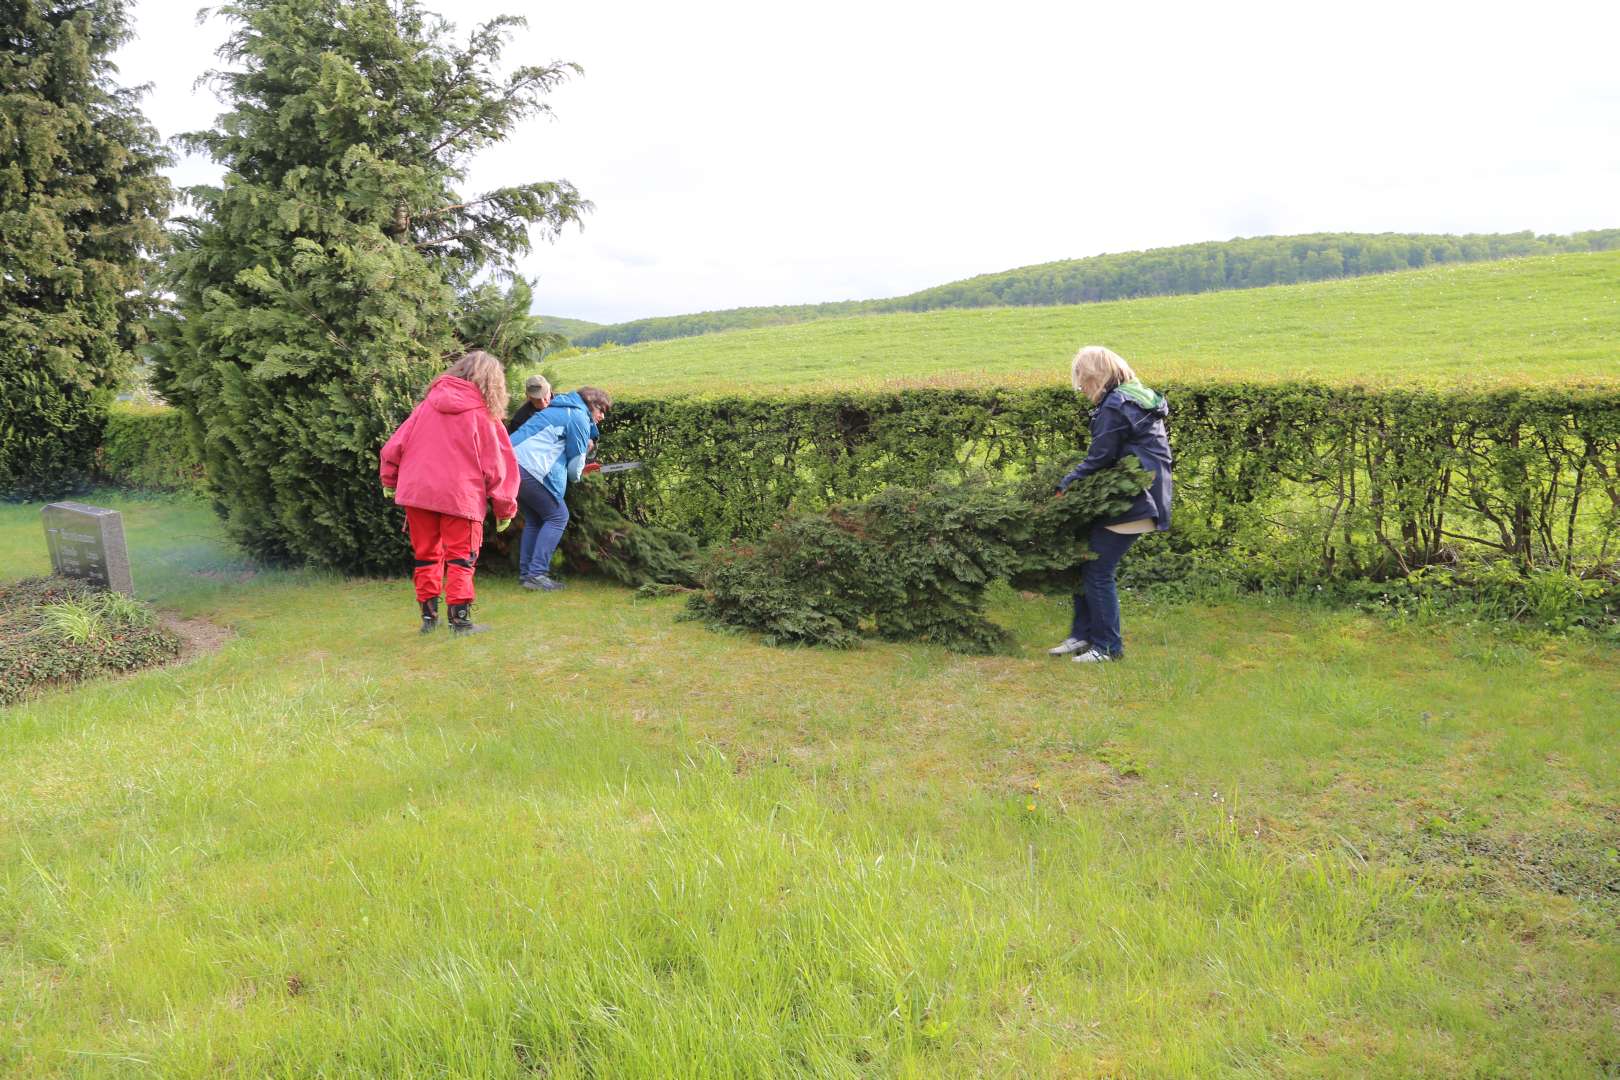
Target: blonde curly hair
[485, 372]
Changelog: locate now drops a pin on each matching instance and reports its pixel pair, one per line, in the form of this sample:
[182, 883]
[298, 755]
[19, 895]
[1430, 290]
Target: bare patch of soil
[198, 637]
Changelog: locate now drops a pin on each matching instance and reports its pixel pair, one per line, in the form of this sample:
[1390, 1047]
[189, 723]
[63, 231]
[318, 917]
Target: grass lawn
[1516, 322]
[601, 842]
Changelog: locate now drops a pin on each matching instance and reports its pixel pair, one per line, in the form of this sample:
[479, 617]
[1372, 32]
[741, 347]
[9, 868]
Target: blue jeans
[544, 519]
[1096, 610]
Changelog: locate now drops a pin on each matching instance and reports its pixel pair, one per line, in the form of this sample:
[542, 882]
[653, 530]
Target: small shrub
[55, 632]
[123, 610]
[72, 621]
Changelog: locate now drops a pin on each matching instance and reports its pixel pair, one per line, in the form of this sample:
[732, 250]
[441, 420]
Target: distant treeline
[1191, 268]
[568, 328]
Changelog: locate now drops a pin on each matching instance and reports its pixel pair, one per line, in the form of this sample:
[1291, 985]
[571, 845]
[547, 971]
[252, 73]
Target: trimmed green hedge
[1404, 493]
[145, 447]
[1295, 483]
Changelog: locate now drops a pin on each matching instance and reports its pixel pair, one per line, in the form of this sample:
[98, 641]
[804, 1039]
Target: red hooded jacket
[449, 456]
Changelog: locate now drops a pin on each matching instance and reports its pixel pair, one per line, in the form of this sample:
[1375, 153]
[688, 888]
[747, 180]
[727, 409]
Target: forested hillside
[569, 328]
[1191, 268]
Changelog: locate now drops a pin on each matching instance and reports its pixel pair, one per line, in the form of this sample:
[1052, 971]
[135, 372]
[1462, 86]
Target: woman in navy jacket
[1129, 419]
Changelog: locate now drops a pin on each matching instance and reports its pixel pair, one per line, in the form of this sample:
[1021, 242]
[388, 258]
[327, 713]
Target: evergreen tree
[316, 287]
[81, 208]
[500, 322]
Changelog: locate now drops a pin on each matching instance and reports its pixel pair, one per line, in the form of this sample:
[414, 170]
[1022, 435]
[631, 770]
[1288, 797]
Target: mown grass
[1510, 323]
[600, 842]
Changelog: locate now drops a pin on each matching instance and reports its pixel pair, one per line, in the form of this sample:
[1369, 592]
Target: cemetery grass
[598, 841]
[1483, 325]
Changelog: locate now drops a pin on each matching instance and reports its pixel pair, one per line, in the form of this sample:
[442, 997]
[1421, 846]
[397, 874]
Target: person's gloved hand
[1058, 494]
[388, 493]
[502, 523]
[592, 466]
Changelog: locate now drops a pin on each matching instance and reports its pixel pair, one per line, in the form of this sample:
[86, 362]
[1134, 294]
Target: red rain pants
[440, 541]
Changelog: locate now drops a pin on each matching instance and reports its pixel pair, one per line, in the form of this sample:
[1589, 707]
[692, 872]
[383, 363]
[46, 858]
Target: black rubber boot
[430, 615]
[461, 620]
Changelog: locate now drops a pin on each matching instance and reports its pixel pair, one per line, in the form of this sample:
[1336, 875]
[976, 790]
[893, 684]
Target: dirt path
[198, 637]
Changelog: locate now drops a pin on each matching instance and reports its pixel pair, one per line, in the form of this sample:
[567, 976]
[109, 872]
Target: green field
[1481, 325]
[601, 842]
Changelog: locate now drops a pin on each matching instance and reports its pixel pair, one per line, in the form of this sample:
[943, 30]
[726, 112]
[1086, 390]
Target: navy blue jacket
[1120, 426]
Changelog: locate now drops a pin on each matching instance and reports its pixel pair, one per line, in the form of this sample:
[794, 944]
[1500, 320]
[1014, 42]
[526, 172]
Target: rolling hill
[568, 328]
[1511, 322]
[1188, 269]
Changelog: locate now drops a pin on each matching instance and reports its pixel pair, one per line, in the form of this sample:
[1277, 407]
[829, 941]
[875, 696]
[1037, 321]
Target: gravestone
[88, 542]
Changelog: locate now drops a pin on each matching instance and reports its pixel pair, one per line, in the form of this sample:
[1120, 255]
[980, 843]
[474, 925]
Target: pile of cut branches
[912, 564]
[600, 539]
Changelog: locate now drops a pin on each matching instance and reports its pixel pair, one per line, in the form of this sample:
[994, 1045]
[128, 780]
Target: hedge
[1301, 483]
[145, 447]
[1310, 480]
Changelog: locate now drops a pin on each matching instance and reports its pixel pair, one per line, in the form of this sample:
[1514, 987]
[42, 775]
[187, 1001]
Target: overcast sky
[756, 153]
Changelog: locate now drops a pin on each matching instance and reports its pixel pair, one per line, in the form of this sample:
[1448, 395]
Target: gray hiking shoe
[542, 583]
[1069, 647]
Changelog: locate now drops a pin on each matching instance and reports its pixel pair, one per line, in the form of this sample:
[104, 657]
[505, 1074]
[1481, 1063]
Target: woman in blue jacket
[1129, 419]
[551, 449]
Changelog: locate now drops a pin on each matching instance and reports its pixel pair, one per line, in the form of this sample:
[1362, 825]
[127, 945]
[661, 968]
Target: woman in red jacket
[449, 456]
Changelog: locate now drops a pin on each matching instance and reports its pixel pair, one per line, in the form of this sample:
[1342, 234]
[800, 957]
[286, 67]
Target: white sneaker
[1092, 656]
[1069, 647]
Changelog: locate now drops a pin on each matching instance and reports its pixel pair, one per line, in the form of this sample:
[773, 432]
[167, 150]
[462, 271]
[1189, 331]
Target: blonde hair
[485, 372]
[1097, 370]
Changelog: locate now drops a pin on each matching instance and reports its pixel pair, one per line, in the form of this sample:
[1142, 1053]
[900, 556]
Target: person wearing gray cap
[538, 391]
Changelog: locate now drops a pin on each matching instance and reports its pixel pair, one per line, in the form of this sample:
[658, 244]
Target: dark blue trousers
[1096, 609]
[544, 518]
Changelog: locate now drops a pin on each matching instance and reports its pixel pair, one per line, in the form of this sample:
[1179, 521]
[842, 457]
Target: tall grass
[72, 621]
[599, 842]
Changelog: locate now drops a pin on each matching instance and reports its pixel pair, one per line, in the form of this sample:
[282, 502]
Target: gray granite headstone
[88, 542]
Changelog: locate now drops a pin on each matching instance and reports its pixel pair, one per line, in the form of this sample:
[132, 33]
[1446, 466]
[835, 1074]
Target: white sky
[744, 153]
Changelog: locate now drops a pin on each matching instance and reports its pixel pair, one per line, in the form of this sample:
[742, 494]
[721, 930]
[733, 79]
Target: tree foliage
[316, 287]
[498, 321]
[81, 207]
[1191, 268]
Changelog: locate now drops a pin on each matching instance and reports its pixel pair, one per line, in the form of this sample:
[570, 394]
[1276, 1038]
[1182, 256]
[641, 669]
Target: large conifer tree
[316, 288]
[81, 207]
